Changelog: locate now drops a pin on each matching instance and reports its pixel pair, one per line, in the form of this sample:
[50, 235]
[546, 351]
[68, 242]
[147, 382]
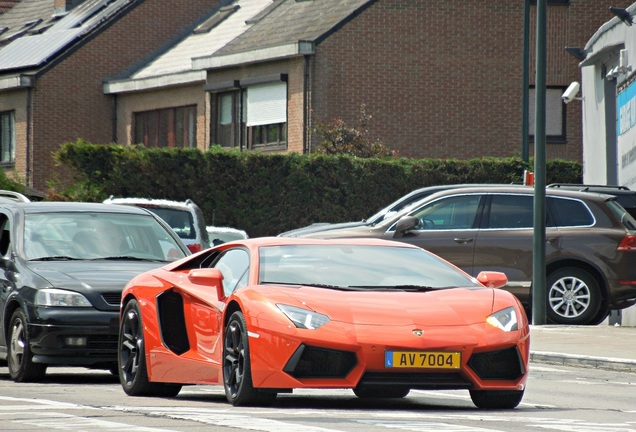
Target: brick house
[440, 79]
[54, 55]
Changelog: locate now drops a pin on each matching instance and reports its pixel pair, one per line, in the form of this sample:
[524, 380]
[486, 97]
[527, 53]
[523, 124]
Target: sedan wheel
[574, 297]
[19, 355]
[237, 375]
[131, 357]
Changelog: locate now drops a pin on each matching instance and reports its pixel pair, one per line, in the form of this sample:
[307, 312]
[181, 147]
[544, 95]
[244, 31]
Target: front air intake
[314, 362]
[503, 364]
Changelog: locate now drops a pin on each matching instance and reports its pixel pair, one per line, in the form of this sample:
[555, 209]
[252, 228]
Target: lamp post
[538, 258]
[526, 82]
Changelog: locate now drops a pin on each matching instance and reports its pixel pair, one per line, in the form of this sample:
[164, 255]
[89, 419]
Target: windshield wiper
[316, 285]
[126, 257]
[414, 288]
[56, 258]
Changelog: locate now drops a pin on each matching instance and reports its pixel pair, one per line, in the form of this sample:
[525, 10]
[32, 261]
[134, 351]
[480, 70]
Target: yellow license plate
[422, 359]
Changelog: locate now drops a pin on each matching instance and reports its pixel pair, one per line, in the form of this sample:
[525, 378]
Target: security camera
[570, 93]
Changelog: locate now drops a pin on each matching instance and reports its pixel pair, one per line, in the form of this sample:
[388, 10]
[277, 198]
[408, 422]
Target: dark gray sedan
[63, 267]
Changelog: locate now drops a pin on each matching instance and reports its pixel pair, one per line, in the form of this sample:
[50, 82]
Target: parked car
[624, 195]
[590, 244]
[63, 267]
[386, 212]
[220, 235]
[269, 315]
[184, 217]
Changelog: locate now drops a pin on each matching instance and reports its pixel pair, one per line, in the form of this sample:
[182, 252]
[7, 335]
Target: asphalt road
[558, 398]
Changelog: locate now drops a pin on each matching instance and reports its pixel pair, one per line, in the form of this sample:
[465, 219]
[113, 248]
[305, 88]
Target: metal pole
[538, 260]
[526, 82]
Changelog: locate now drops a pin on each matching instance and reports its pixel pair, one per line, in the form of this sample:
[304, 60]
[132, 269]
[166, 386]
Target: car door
[7, 285]
[448, 228]
[505, 240]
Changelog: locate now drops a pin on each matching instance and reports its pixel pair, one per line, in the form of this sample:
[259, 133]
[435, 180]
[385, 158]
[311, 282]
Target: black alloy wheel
[237, 375]
[131, 357]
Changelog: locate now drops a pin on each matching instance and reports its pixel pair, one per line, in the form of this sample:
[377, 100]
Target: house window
[227, 119]
[7, 137]
[266, 115]
[267, 136]
[554, 114]
[254, 117]
[170, 127]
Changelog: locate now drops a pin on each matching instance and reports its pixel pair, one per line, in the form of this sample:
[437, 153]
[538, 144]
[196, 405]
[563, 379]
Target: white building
[608, 95]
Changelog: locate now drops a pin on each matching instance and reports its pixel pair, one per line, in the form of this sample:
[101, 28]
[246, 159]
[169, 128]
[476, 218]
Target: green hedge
[266, 194]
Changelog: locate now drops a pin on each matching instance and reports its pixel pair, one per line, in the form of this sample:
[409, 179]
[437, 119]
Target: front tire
[496, 399]
[19, 355]
[237, 374]
[131, 358]
[574, 297]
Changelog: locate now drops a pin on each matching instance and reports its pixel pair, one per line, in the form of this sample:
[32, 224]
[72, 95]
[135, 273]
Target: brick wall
[444, 79]
[68, 101]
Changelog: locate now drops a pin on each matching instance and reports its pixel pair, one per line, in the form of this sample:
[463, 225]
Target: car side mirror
[492, 279]
[404, 224]
[209, 277]
[7, 264]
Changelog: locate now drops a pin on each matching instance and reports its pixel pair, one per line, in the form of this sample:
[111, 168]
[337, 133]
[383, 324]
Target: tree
[339, 138]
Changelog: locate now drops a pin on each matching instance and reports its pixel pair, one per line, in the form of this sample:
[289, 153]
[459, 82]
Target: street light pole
[526, 82]
[538, 258]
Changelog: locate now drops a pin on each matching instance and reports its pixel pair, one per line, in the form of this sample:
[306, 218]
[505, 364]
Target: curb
[607, 363]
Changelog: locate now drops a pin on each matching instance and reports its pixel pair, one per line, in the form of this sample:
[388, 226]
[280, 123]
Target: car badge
[418, 332]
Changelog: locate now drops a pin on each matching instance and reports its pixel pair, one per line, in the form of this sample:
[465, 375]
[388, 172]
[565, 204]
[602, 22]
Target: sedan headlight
[304, 318]
[505, 319]
[60, 298]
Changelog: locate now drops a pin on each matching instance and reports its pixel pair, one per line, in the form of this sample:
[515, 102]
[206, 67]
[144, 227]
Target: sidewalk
[603, 346]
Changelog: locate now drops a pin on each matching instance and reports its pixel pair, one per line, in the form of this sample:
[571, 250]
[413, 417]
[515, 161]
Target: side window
[569, 212]
[457, 212]
[234, 264]
[5, 235]
[511, 211]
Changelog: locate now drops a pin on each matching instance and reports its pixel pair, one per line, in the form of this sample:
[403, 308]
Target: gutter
[294, 49]
[17, 82]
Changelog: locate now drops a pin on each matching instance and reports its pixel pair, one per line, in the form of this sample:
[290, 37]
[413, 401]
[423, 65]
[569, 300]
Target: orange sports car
[268, 315]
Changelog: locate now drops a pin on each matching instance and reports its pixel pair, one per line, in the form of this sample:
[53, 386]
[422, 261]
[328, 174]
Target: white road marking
[223, 418]
[427, 426]
[38, 404]
[67, 422]
[42, 414]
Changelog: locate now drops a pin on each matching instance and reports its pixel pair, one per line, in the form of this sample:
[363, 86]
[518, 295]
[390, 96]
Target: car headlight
[61, 298]
[304, 318]
[505, 319]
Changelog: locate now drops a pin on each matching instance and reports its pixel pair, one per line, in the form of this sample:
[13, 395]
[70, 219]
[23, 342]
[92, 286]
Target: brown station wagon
[590, 244]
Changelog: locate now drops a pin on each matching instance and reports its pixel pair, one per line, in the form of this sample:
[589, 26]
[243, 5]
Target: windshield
[366, 267]
[98, 235]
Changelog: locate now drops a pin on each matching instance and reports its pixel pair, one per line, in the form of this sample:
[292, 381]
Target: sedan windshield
[358, 267]
[98, 235]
